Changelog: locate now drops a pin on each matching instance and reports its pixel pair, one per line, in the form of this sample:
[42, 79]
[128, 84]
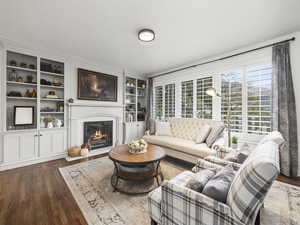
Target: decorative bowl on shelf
[138, 146]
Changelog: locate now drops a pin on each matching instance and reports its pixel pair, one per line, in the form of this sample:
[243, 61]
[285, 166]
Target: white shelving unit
[135, 97]
[27, 82]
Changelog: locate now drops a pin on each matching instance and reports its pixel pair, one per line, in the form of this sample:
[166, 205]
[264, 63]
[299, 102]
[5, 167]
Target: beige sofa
[181, 144]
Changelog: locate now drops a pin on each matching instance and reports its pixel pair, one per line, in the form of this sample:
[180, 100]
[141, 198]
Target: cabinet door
[45, 144]
[19, 147]
[58, 141]
[11, 148]
[28, 146]
[52, 143]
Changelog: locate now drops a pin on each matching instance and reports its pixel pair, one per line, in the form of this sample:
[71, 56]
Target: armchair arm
[204, 164]
[181, 205]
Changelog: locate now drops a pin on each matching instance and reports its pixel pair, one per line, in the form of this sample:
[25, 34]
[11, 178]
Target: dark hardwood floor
[38, 195]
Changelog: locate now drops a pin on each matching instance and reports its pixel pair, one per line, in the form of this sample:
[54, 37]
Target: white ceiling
[106, 31]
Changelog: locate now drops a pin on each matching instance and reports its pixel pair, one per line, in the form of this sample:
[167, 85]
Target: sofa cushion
[215, 132]
[202, 134]
[163, 128]
[182, 145]
[253, 181]
[188, 128]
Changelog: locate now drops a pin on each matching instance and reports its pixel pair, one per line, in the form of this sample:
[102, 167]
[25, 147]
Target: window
[169, 101]
[187, 99]
[232, 97]
[259, 99]
[250, 95]
[204, 101]
[158, 107]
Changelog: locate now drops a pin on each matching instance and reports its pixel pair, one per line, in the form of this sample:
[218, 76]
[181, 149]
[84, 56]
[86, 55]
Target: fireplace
[98, 134]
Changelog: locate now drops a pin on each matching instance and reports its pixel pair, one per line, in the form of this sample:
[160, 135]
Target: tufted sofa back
[188, 128]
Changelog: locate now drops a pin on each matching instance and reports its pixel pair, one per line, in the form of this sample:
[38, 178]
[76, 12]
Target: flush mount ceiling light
[146, 35]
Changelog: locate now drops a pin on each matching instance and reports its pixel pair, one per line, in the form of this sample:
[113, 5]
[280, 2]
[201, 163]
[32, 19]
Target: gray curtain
[284, 108]
[149, 104]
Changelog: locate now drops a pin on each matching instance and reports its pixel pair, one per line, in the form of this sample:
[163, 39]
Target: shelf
[20, 83]
[52, 112]
[21, 68]
[130, 103]
[52, 99]
[129, 87]
[52, 74]
[53, 128]
[130, 94]
[52, 86]
[141, 88]
[21, 98]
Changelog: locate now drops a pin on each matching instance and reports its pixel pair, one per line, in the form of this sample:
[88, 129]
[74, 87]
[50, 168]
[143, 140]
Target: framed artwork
[97, 86]
[23, 115]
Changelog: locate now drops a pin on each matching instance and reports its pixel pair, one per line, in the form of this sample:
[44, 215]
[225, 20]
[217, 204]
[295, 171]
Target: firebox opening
[98, 134]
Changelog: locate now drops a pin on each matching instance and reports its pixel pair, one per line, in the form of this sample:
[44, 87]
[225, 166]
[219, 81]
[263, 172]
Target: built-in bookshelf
[35, 82]
[135, 99]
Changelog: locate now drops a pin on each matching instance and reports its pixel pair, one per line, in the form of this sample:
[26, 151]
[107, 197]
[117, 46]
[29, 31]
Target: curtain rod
[226, 57]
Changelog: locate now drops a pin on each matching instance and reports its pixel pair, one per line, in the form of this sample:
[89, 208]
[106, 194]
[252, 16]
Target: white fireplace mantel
[79, 113]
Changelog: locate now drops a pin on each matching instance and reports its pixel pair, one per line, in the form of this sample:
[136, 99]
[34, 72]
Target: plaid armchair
[175, 204]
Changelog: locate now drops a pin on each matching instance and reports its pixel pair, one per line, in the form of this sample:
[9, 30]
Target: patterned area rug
[90, 185]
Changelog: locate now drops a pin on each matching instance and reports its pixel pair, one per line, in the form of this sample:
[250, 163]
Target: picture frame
[97, 86]
[23, 115]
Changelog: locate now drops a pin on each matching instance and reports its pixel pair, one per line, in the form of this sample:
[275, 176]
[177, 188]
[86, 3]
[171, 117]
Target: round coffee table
[136, 167]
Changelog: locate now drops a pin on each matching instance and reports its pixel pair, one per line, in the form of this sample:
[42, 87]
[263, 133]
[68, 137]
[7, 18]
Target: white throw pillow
[202, 134]
[215, 132]
[163, 129]
[274, 136]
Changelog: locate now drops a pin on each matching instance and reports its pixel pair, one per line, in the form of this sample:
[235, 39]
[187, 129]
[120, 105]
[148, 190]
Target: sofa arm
[181, 205]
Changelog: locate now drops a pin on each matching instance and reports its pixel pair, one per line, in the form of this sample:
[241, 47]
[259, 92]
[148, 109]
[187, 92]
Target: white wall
[214, 68]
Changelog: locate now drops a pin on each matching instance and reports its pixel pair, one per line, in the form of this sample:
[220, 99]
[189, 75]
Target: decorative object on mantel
[71, 100]
[97, 86]
[74, 151]
[138, 146]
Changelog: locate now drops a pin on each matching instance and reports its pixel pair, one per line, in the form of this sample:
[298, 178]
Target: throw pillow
[163, 128]
[274, 136]
[215, 132]
[242, 156]
[200, 179]
[218, 186]
[152, 126]
[202, 134]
